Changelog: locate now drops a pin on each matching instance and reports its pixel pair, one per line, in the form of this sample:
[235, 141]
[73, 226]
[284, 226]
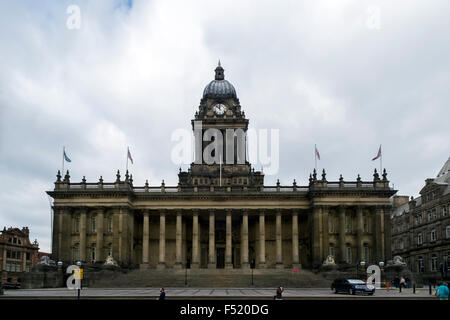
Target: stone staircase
[206, 278]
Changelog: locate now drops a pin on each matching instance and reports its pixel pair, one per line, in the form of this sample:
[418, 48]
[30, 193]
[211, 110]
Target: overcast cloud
[135, 72]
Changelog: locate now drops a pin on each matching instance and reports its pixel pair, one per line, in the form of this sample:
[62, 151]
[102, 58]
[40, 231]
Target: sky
[344, 75]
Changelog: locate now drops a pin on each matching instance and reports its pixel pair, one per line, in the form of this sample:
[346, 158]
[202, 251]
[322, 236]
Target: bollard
[414, 288]
[387, 286]
[429, 288]
[1, 290]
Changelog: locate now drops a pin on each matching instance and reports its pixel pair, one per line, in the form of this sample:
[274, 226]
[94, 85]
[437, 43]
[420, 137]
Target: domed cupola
[219, 88]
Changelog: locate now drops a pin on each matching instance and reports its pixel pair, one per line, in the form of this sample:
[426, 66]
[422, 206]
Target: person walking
[162, 294]
[279, 295]
[402, 282]
[442, 292]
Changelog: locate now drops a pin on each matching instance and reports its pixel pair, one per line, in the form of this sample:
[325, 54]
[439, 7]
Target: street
[205, 293]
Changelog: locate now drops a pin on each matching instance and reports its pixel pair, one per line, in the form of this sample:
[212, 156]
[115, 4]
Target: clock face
[220, 109]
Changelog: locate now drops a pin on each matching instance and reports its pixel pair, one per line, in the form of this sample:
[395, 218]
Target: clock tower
[220, 131]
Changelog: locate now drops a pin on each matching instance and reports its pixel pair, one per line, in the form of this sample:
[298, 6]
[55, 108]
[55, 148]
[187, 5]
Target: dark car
[352, 286]
[11, 285]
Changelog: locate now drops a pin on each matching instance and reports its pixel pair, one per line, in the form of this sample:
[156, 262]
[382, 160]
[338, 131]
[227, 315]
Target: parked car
[352, 286]
[11, 285]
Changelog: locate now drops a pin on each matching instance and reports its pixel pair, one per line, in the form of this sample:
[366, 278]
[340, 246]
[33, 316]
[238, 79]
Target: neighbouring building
[421, 227]
[221, 215]
[17, 254]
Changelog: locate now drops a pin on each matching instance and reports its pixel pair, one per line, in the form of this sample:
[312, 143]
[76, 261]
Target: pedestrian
[162, 294]
[402, 282]
[442, 291]
[279, 295]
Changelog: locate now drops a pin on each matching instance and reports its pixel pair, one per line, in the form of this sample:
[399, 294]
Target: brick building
[17, 254]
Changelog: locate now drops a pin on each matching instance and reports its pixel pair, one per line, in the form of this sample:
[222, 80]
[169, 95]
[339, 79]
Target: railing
[122, 185]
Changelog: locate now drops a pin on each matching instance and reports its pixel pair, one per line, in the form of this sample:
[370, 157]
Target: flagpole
[381, 160]
[315, 157]
[127, 156]
[64, 149]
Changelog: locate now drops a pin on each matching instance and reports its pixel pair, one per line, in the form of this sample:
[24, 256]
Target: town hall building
[222, 215]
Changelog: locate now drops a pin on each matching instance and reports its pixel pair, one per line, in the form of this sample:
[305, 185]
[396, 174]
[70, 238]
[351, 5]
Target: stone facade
[17, 254]
[221, 215]
[421, 227]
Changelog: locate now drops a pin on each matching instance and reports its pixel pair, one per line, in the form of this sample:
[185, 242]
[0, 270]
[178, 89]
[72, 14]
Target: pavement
[208, 294]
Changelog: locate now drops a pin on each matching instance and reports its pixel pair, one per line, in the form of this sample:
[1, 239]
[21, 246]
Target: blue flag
[66, 157]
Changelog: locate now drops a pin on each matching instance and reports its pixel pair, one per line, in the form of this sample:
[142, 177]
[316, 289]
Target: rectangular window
[433, 235]
[28, 269]
[28, 256]
[331, 224]
[419, 239]
[8, 267]
[76, 224]
[447, 232]
[433, 263]
[348, 224]
[420, 265]
[94, 224]
[366, 253]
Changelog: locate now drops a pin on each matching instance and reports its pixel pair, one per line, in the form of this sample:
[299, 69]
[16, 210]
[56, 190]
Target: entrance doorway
[220, 258]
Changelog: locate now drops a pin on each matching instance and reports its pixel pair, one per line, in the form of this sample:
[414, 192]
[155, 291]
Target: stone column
[178, 241]
[325, 233]
[377, 236]
[295, 256]
[341, 234]
[162, 240]
[145, 240]
[228, 245]
[279, 252]
[212, 240]
[262, 241]
[244, 241]
[82, 235]
[315, 246]
[359, 232]
[60, 231]
[99, 240]
[387, 234]
[195, 237]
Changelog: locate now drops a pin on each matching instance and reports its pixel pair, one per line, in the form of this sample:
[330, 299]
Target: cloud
[135, 71]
